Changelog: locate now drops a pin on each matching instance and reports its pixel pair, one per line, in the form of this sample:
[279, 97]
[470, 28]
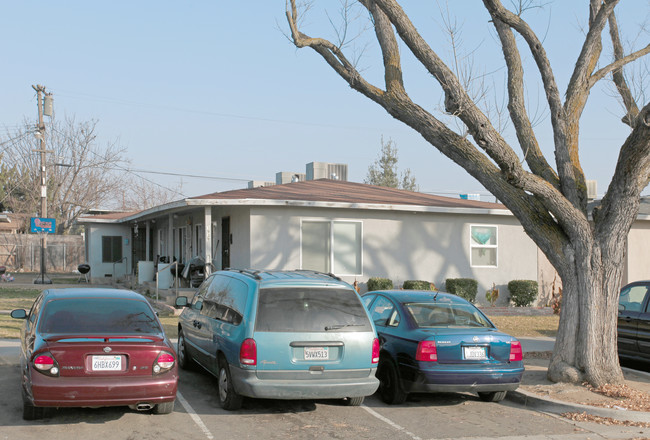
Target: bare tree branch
[516, 105]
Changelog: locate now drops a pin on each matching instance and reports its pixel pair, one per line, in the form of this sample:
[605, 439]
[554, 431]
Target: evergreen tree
[383, 172]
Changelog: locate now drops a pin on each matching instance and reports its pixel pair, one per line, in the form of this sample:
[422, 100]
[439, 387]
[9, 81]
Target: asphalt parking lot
[197, 415]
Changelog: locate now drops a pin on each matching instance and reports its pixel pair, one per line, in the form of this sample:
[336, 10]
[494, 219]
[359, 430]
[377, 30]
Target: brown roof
[326, 190]
[12, 222]
[110, 215]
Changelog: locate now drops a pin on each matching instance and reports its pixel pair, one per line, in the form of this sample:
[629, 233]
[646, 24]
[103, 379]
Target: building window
[111, 248]
[483, 246]
[332, 246]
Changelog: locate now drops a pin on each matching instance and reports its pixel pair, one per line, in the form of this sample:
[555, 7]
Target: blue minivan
[280, 335]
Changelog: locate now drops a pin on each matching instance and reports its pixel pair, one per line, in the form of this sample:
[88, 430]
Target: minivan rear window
[98, 316]
[299, 309]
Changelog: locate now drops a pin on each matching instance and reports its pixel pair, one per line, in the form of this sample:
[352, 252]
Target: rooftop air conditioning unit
[592, 189]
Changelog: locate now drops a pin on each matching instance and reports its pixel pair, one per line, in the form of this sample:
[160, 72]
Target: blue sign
[47, 225]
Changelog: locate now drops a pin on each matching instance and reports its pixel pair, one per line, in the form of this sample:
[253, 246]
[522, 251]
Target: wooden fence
[22, 252]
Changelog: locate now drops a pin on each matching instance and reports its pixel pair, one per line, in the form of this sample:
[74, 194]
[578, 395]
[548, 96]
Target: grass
[14, 298]
[17, 298]
[534, 326]
[170, 325]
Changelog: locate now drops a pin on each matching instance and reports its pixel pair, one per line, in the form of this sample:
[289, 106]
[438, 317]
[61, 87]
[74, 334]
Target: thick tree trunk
[585, 348]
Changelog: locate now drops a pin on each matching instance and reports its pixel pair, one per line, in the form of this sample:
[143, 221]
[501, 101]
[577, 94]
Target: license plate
[107, 363]
[474, 353]
[316, 353]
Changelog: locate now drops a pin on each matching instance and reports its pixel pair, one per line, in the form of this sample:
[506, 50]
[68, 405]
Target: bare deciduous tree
[80, 174]
[550, 202]
[138, 193]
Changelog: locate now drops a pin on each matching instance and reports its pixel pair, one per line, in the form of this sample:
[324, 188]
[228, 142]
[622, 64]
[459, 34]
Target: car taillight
[46, 364]
[516, 353]
[375, 351]
[164, 362]
[427, 351]
[248, 352]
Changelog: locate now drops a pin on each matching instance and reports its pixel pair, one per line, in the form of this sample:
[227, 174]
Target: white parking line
[391, 423]
[194, 415]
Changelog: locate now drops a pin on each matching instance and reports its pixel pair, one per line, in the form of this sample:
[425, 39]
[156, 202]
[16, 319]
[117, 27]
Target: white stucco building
[353, 230]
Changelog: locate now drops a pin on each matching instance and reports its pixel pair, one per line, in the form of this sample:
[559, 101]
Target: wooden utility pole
[40, 93]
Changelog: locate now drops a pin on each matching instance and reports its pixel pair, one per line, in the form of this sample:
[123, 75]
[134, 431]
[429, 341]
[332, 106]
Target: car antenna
[435, 297]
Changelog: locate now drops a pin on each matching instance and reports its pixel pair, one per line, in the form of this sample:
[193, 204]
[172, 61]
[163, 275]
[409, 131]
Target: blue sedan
[439, 342]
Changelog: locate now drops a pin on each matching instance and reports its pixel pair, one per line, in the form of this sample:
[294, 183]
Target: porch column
[207, 238]
[148, 232]
[170, 238]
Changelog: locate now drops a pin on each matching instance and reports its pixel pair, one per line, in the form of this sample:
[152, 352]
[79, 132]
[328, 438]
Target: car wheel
[184, 361]
[228, 398]
[353, 401]
[494, 396]
[31, 412]
[389, 385]
[164, 408]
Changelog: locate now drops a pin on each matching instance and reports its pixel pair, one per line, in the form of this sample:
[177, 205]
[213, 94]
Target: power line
[95, 98]
[197, 176]
[115, 166]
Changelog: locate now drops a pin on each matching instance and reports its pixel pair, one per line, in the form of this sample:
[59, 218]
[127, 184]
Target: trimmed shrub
[417, 285]
[379, 284]
[463, 287]
[523, 292]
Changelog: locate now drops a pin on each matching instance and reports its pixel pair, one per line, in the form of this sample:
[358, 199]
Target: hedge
[463, 287]
[523, 292]
[379, 284]
[417, 285]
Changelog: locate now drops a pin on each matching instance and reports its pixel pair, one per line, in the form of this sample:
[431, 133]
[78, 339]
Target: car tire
[31, 412]
[353, 401]
[390, 388]
[164, 408]
[228, 398]
[184, 361]
[493, 396]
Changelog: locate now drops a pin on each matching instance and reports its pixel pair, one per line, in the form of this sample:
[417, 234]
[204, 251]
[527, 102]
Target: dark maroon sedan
[92, 348]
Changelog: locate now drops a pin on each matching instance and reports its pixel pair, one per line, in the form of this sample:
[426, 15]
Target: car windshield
[298, 309]
[98, 316]
[429, 314]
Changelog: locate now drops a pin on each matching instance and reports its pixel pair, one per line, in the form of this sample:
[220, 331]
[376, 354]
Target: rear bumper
[248, 384]
[484, 380]
[96, 392]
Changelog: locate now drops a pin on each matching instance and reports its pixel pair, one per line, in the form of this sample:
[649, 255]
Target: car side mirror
[19, 314]
[181, 302]
[621, 307]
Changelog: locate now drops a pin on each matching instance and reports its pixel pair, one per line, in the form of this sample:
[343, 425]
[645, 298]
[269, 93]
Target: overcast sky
[214, 88]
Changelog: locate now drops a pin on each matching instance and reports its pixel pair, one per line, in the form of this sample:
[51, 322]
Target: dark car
[439, 342]
[634, 321]
[280, 335]
[92, 348]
